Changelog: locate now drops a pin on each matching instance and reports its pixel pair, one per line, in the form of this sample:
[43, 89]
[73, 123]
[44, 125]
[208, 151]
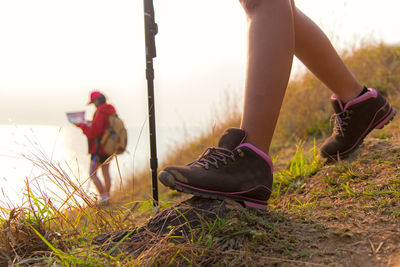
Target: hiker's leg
[270, 55]
[105, 168]
[96, 180]
[239, 170]
[368, 111]
[315, 50]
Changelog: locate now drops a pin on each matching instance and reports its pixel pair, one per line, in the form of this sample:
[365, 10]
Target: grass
[319, 214]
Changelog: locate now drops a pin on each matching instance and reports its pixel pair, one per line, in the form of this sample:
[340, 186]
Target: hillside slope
[345, 214]
[341, 214]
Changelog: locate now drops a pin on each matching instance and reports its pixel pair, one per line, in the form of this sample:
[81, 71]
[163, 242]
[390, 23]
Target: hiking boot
[234, 170]
[354, 120]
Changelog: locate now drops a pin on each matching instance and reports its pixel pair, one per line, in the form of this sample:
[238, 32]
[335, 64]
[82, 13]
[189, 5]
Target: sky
[53, 53]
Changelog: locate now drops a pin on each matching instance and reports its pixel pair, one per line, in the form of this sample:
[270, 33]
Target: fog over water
[26, 149]
[50, 62]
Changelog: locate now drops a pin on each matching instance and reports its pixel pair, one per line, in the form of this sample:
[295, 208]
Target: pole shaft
[150, 32]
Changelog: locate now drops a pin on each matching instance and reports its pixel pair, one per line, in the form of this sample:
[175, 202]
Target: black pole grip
[151, 29]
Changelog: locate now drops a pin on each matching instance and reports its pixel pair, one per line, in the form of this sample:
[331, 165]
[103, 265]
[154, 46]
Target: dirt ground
[346, 214]
[356, 204]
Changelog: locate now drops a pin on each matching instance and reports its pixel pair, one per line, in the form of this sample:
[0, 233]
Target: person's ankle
[104, 197]
[365, 90]
[353, 94]
[261, 146]
[256, 138]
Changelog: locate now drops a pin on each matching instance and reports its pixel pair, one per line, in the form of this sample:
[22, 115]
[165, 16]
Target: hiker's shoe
[354, 120]
[104, 197]
[233, 170]
[104, 200]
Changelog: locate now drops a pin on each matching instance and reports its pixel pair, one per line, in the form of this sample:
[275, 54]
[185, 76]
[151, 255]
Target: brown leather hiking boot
[354, 121]
[233, 170]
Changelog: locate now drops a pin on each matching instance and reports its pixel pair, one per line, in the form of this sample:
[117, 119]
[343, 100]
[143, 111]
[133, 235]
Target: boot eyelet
[225, 162]
[206, 167]
[241, 153]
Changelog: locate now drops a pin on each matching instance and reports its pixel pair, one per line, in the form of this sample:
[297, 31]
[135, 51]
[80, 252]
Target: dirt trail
[357, 206]
[347, 214]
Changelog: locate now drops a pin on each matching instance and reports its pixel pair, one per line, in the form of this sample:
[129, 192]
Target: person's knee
[250, 5]
[293, 5]
[105, 170]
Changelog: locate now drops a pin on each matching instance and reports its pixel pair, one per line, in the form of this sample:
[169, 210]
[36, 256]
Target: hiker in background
[94, 133]
[240, 167]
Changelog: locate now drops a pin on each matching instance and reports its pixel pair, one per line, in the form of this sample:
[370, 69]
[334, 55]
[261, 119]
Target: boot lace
[213, 156]
[340, 121]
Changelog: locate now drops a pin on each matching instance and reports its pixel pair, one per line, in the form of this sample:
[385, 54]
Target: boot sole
[169, 180]
[379, 125]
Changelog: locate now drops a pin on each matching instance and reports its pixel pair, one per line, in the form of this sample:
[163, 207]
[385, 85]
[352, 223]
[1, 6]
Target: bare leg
[97, 181]
[315, 50]
[107, 179]
[271, 47]
[270, 56]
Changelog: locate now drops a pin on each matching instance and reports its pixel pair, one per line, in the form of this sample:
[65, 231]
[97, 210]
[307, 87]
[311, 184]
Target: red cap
[94, 95]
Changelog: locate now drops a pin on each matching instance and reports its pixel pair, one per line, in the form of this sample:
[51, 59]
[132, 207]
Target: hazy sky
[52, 53]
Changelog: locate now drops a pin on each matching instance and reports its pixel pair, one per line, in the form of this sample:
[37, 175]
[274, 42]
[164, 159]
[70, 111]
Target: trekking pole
[151, 29]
